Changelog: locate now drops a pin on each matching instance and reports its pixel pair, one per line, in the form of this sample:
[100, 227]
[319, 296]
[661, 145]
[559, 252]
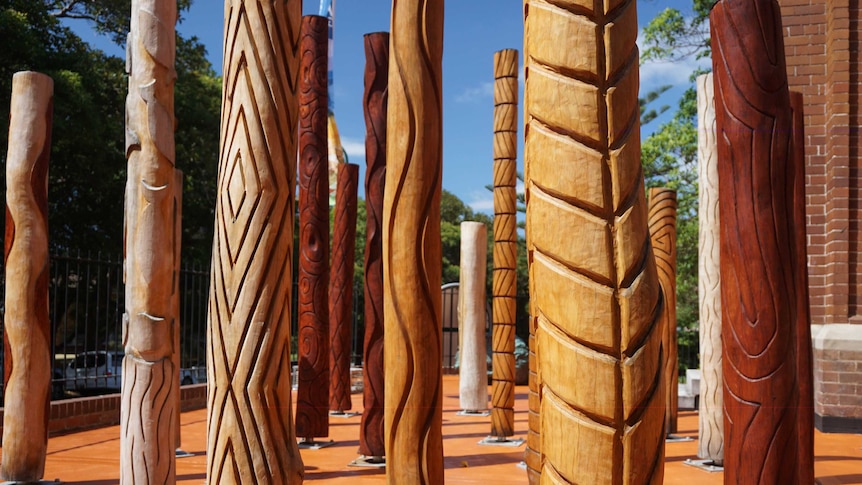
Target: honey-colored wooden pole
[371, 441]
[411, 246]
[804, 366]
[758, 282]
[26, 325]
[505, 243]
[473, 372]
[148, 403]
[249, 422]
[312, 395]
[711, 407]
[341, 287]
[597, 298]
[662, 228]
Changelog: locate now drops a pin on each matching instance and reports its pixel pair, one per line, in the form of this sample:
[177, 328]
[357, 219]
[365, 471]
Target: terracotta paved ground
[92, 456]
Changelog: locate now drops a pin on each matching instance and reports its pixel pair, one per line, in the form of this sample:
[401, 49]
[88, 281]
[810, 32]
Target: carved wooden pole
[805, 371]
[250, 427]
[341, 288]
[758, 293]
[371, 442]
[312, 396]
[27, 328]
[596, 298]
[662, 228]
[473, 375]
[148, 405]
[711, 410]
[505, 243]
[411, 246]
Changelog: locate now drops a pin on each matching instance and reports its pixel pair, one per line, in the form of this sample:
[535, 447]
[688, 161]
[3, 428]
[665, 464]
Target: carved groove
[341, 288]
[411, 249]
[711, 412]
[584, 176]
[312, 396]
[250, 424]
[758, 294]
[662, 228]
[371, 441]
[27, 327]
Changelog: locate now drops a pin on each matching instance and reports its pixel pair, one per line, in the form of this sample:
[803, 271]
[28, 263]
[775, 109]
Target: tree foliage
[674, 36]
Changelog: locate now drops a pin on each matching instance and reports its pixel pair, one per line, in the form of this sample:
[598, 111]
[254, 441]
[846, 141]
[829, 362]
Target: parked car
[96, 369]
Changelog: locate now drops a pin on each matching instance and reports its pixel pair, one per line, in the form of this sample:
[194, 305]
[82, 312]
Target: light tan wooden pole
[505, 243]
[148, 404]
[473, 372]
[250, 425]
[411, 246]
[593, 282]
[26, 326]
[711, 408]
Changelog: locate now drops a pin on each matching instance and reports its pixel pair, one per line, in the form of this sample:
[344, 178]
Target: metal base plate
[473, 413]
[369, 462]
[314, 445]
[343, 414]
[495, 441]
[180, 453]
[522, 465]
[673, 438]
[705, 465]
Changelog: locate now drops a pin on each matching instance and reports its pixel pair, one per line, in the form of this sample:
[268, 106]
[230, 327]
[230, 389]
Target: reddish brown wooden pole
[371, 442]
[27, 328]
[312, 397]
[758, 280]
[804, 369]
[411, 246]
[341, 287]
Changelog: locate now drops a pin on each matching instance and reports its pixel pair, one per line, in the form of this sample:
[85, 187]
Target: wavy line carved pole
[371, 442]
[758, 294]
[341, 288]
[662, 228]
[312, 396]
[711, 410]
[505, 246]
[148, 403]
[411, 246]
[805, 371]
[473, 374]
[27, 327]
[250, 427]
[597, 301]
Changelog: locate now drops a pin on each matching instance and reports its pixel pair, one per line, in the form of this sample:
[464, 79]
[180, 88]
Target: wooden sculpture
[758, 293]
[371, 442]
[596, 294]
[312, 396]
[26, 325]
[662, 229]
[505, 243]
[341, 288]
[411, 246]
[805, 371]
[148, 403]
[473, 372]
[711, 410]
[250, 427]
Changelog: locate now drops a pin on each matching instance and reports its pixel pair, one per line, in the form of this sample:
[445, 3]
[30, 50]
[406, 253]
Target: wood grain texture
[758, 294]
[711, 407]
[312, 395]
[662, 229]
[250, 433]
[371, 441]
[473, 350]
[505, 243]
[593, 281]
[341, 286]
[148, 403]
[411, 246]
[26, 326]
[804, 365]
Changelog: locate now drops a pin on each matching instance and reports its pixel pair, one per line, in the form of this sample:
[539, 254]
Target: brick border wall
[70, 415]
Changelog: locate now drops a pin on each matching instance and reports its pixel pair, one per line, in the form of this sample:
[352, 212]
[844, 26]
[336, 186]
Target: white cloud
[470, 95]
[482, 205]
[355, 148]
[654, 74]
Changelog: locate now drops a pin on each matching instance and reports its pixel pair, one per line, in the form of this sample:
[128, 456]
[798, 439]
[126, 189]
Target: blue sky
[474, 30]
